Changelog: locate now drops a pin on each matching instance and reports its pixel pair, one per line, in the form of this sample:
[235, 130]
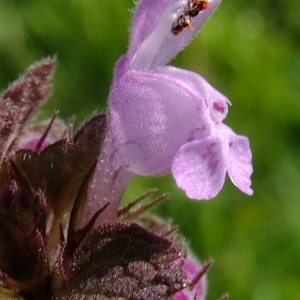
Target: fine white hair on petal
[161, 45]
[144, 56]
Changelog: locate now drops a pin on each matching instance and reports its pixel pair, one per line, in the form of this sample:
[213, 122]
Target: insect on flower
[191, 10]
[182, 22]
[195, 6]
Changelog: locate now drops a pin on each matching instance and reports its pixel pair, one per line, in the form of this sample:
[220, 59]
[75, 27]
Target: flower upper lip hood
[165, 119]
[152, 42]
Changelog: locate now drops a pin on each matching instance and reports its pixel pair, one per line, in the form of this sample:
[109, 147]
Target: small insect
[195, 6]
[182, 22]
[192, 10]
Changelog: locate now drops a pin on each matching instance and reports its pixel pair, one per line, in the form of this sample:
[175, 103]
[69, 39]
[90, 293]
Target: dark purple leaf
[19, 204]
[61, 168]
[121, 261]
[21, 102]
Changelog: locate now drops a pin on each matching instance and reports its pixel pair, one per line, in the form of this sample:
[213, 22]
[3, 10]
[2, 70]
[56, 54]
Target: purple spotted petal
[199, 168]
[217, 103]
[166, 119]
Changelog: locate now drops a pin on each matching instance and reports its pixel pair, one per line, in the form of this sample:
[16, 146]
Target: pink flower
[165, 119]
[196, 274]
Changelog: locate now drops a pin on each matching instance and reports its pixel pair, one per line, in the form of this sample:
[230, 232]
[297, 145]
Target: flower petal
[153, 43]
[192, 268]
[199, 168]
[238, 160]
[147, 16]
[152, 117]
[216, 102]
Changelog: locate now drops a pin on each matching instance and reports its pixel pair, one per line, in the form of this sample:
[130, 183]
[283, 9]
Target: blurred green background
[250, 51]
